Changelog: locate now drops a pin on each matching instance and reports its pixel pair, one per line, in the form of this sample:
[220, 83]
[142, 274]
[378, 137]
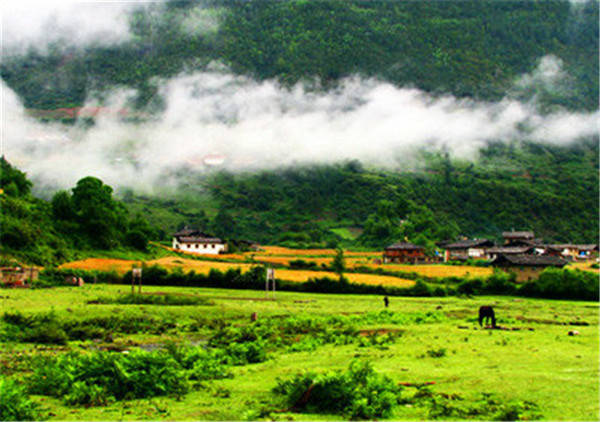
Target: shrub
[358, 393]
[554, 283]
[244, 353]
[41, 328]
[15, 405]
[94, 378]
[436, 353]
[302, 264]
[155, 299]
[421, 289]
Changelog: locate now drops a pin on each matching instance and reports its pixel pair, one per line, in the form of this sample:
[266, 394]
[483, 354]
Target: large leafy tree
[13, 181]
[98, 214]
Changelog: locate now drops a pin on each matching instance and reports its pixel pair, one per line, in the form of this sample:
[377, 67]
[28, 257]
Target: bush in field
[358, 393]
[554, 283]
[300, 264]
[41, 328]
[163, 300]
[15, 405]
[485, 406]
[94, 378]
[244, 353]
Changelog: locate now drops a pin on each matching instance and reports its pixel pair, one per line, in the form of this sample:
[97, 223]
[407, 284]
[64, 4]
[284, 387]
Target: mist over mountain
[180, 96]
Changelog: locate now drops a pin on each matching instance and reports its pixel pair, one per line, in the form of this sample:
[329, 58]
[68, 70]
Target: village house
[18, 276]
[405, 253]
[513, 238]
[195, 241]
[574, 252]
[467, 249]
[496, 251]
[527, 267]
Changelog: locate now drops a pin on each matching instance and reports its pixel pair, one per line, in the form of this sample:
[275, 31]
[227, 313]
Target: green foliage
[42, 328]
[338, 265]
[96, 377]
[515, 185]
[486, 406]
[554, 283]
[13, 181]
[360, 393]
[45, 233]
[154, 299]
[47, 328]
[15, 405]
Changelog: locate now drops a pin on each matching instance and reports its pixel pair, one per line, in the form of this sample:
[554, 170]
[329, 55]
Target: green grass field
[437, 340]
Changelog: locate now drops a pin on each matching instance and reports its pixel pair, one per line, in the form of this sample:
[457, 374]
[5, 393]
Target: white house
[189, 240]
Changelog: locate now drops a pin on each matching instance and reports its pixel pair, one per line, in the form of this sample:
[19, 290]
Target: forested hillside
[473, 48]
[84, 218]
[548, 189]
[486, 50]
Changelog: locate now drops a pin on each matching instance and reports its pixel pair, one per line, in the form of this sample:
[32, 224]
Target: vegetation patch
[47, 328]
[99, 377]
[15, 404]
[358, 393]
[153, 299]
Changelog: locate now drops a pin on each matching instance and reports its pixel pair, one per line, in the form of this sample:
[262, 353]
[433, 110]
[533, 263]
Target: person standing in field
[386, 301]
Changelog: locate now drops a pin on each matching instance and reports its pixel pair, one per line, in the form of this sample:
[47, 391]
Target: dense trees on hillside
[472, 48]
[87, 217]
[551, 190]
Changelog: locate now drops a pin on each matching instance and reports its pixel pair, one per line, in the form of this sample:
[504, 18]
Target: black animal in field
[487, 313]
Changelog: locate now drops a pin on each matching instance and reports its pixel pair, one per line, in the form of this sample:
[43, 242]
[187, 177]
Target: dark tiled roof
[510, 249]
[469, 243]
[586, 247]
[198, 239]
[517, 235]
[530, 260]
[186, 232]
[403, 247]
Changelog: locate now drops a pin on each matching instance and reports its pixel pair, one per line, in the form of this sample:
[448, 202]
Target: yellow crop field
[281, 251]
[301, 276]
[433, 270]
[585, 266]
[101, 264]
[203, 267]
[285, 260]
[170, 262]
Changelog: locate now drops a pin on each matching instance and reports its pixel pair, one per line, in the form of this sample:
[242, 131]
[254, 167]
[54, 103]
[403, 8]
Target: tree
[62, 206]
[223, 224]
[13, 181]
[339, 264]
[98, 214]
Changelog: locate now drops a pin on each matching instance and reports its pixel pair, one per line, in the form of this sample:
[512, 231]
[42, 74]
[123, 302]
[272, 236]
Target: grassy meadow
[535, 364]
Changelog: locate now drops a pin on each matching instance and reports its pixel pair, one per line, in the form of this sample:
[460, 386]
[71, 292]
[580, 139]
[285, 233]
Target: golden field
[437, 270]
[203, 267]
[302, 275]
[171, 262]
[585, 266]
[281, 251]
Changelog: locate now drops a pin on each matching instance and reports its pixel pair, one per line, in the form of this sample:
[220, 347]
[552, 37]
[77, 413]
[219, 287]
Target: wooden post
[136, 273]
[267, 283]
[270, 277]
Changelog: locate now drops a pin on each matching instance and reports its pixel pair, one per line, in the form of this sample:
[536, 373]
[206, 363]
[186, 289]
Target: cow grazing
[487, 313]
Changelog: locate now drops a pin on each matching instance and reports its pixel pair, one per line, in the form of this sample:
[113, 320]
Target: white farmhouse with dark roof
[195, 241]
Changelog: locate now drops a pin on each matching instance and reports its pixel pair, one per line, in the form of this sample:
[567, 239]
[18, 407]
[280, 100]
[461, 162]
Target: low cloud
[29, 23]
[216, 118]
